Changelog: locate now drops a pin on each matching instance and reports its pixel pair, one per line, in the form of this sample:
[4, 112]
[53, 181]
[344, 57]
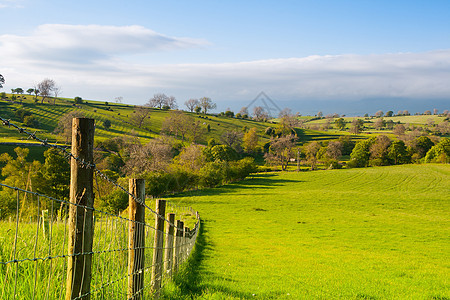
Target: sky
[298, 52]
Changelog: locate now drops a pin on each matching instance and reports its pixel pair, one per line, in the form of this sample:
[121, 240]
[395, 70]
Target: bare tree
[191, 157]
[260, 114]
[177, 123]
[46, 87]
[56, 91]
[158, 100]
[244, 111]
[399, 129]
[191, 104]
[207, 104]
[140, 116]
[2, 81]
[334, 150]
[171, 102]
[118, 99]
[64, 127]
[233, 139]
[311, 153]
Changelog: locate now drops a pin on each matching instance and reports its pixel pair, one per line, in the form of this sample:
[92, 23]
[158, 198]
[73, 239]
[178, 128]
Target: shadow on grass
[189, 284]
[253, 182]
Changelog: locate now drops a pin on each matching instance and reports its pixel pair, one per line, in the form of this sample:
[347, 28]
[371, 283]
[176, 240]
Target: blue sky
[229, 50]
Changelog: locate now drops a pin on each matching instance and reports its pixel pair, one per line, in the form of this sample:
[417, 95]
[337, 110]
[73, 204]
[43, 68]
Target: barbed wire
[82, 162]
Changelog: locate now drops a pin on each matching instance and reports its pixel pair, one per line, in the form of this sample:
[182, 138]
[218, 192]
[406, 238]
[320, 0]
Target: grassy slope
[376, 233]
[49, 114]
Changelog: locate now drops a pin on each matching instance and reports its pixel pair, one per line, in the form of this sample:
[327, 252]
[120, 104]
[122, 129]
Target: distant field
[375, 233]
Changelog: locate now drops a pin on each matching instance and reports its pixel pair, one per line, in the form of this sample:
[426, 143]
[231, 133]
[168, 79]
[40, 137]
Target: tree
[191, 104]
[140, 116]
[250, 141]
[2, 81]
[379, 114]
[118, 99]
[191, 157]
[233, 139]
[78, 100]
[56, 91]
[46, 87]
[311, 150]
[357, 126]
[398, 154]
[399, 129]
[281, 151]
[334, 150]
[259, 114]
[171, 102]
[389, 113]
[340, 123]
[361, 153]
[244, 111]
[30, 91]
[421, 146]
[379, 124]
[177, 123]
[19, 90]
[439, 152]
[64, 127]
[379, 151]
[158, 100]
[207, 104]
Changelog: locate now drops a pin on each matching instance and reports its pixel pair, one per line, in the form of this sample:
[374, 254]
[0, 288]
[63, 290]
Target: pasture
[375, 233]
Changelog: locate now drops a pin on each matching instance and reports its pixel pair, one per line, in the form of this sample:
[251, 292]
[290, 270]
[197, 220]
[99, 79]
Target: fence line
[35, 267]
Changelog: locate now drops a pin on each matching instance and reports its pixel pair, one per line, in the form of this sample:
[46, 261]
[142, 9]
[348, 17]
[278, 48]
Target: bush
[78, 100]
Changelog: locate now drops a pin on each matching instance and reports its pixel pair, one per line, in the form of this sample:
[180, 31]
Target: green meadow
[374, 233]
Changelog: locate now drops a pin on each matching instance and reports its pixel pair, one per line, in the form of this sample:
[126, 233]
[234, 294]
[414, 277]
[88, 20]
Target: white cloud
[91, 61]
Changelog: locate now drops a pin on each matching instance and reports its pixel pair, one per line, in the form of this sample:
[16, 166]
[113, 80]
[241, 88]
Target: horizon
[299, 53]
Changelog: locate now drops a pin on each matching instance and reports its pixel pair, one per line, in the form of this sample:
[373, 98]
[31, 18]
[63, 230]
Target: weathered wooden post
[136, 239]
[177, 246]
[81, 211]
[168, 263]
[157, 263]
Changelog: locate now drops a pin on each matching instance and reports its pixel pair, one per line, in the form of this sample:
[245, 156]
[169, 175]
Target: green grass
[375, 233]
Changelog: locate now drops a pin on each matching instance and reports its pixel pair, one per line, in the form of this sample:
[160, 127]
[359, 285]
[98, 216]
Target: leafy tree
[281, 150]
[379, 124]
[21, 113]
[206, 104]
[421, 146]
[55, 173]
[78, 100]
[31, 121]
[389, 113]
[19, 90]
[361, 153]
[357, 126]
[191, 157]
[22, 174]
[398, 153]
[222, 153]
[340, 123]
[30, 91]
[250, 141]
[311, 150]
[439, 152]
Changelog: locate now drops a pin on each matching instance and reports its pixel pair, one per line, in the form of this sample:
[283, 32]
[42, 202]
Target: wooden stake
[169, 245]
[157, 263]
[80, 218]
[136, 240]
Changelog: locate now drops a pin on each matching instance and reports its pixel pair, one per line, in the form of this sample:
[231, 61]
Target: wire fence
[53, 249]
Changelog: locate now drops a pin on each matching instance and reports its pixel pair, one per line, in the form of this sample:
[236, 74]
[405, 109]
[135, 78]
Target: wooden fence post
[168, 256]
[136, 240]
[177, 246]
[80, 218]
[157, 263]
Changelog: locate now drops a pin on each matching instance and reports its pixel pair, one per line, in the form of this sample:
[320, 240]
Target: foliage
[439, 152]
[361, 153]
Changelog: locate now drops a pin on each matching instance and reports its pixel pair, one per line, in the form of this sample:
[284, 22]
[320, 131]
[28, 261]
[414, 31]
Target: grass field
[375, 233]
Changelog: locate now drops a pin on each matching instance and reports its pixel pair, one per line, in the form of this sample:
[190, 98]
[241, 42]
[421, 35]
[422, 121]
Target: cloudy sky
[294, 51]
